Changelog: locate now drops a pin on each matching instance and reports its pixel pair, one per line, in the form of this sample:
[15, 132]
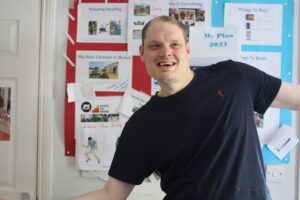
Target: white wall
[66, 181]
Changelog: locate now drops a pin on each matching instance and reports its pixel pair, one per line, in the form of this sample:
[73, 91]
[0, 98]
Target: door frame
[45, 116]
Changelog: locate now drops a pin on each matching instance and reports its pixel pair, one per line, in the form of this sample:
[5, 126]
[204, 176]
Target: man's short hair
[167, 19]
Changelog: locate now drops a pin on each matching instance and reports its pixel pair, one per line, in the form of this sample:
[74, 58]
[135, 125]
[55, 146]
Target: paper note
[132, 101]
[283, 142]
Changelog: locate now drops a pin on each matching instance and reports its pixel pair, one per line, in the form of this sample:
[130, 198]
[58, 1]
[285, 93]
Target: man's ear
[142, 53]
[188, 49]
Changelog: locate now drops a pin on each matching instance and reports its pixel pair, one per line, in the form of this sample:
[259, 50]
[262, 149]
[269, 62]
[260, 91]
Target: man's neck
[173, 88]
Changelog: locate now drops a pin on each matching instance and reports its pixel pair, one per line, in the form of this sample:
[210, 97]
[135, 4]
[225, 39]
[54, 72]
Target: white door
[19, 68]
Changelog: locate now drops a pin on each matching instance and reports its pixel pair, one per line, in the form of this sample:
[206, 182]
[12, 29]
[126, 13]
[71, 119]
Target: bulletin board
[285, 49]
[142, 82]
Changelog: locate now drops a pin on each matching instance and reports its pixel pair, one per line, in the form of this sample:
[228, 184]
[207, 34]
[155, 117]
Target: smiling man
[166, 54]
[198, 132]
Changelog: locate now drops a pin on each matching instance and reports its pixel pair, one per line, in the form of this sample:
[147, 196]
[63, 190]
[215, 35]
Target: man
[198, 131]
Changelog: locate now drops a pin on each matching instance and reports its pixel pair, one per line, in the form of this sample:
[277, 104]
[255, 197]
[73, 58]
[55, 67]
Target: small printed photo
[187, 15]
[200, 15]
[100, 118]
[249, 17]
[141, 10]
[103, 70]
[103, 28]
[137, 34]
[115, 27]
[92, 28]
[90, 150]
[248, 35]
[174, 12]
[5, 107]
[139, 23]
[259, 120]
[248, 25]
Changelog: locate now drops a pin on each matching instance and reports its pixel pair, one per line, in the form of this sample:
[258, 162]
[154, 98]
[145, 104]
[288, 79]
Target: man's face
[165, 53]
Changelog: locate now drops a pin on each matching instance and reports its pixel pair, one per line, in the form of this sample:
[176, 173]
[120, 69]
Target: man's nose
[166, 51]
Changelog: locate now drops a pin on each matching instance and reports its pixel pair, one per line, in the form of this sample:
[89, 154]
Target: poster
[102, 71]
[139, 13]
[269, 62]
[102, 23]
[99, 122]
[97, 129]
[260, 24]
[213, 44]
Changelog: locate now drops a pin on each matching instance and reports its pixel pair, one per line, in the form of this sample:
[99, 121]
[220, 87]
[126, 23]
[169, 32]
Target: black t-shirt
[203, 139]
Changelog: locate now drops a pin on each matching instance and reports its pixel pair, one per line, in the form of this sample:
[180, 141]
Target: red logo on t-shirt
[220, 93]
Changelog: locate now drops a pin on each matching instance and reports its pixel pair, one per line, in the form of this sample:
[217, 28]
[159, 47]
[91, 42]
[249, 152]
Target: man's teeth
[166, 64]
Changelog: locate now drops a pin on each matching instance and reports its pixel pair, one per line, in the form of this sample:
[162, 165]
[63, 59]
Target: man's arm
[288, 97]
[114, 189]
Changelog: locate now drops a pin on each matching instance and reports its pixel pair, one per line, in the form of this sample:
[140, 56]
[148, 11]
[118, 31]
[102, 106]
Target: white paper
[283, 141]
[104, 71]
[269, 62]
[213, 43]
[260, 24]
[71, 92]
[101, 22]
[140, 12]
[84, 90]
[270, 123]
[132, 101]
[97, 118]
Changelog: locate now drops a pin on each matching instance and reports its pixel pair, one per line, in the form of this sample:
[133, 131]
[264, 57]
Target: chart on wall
[266, 43]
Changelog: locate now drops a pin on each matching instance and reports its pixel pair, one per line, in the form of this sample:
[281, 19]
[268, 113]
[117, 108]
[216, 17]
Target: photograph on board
[103, 70]
[5, 99]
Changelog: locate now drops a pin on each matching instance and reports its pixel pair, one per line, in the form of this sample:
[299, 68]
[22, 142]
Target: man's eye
[176, 45]
[154, 46]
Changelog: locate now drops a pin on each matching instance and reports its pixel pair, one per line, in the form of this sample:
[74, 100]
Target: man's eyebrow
[153, 42]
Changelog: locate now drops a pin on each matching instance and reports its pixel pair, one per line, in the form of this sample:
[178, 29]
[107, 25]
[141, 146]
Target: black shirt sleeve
[130, 162]
[262, 86]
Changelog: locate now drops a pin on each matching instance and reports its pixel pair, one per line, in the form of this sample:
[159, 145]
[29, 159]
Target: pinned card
[132, 101]
[71, 93]
[283, 141]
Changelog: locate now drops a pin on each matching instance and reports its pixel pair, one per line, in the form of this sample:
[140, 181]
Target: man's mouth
[165, 64]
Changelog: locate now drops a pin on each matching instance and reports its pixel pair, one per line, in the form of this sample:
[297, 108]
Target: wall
[66, 181]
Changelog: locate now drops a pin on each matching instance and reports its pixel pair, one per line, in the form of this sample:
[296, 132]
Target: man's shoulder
[219, 67]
